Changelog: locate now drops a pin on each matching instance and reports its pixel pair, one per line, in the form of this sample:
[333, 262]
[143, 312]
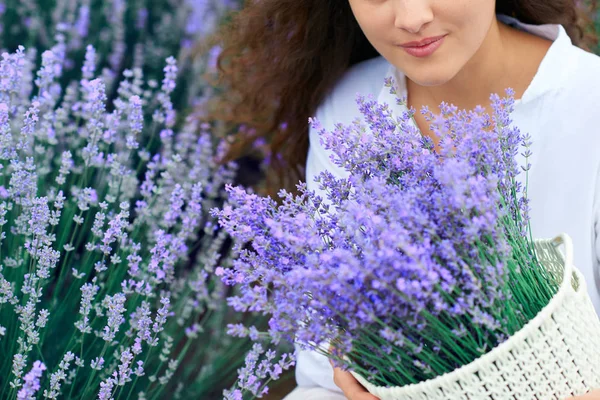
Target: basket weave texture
[555, 356]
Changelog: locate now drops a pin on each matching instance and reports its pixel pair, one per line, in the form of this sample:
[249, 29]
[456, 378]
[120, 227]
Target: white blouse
[560, 110]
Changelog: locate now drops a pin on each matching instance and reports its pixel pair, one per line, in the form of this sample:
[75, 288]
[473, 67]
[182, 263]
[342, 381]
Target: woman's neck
[507, 58]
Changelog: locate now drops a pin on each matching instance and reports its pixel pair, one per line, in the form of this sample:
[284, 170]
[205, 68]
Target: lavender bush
[417, 264]
[127, 35]
[107, 249]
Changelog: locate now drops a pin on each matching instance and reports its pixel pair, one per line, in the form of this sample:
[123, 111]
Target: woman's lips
[425, 50]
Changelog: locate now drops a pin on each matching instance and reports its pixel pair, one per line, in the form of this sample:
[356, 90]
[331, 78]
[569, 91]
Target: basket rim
[468, 369]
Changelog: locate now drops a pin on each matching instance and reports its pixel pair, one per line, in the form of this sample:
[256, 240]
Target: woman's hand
[594, 395]
[350, 386]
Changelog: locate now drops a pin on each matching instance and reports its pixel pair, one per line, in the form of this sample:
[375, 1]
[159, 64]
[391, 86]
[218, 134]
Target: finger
[595, 395]
[352, 389]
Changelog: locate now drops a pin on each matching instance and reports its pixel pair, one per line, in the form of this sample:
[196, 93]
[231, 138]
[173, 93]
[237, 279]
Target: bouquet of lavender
[417, 264]
[107, 248]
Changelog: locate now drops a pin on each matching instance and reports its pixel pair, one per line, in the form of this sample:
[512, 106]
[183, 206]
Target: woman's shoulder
[365, 78]
[566, 103]
[567, 83]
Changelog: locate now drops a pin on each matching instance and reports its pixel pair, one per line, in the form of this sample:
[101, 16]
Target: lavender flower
[10, 73]
[135, 121]
[66, 164]
[161, 316]
[32, 382]
[114, 308]
[261, 367]
[97, 363]
[89, 67]
[167, 115]
[106, 388]
[50, 71]
[125, 367]
[57, 377]
[88, 292]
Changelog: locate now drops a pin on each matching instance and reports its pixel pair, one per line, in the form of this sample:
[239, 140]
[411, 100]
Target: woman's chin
[429, 79]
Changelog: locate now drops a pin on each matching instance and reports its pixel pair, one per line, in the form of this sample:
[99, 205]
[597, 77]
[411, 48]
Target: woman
[287, 60]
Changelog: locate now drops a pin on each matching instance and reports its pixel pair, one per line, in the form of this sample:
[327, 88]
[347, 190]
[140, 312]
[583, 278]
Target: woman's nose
[412, 15]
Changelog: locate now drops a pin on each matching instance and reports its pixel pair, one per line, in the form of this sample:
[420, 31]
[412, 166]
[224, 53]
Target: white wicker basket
[555, 356]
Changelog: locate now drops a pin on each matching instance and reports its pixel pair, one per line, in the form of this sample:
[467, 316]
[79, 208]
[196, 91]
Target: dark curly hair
[281, 57]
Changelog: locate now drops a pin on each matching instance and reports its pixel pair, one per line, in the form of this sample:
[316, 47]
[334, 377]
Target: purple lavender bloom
[114, 309]
[136, 121]
[89, 66]
[11, 72]
[168, 84]
[260, 367]
[51, 70]
[32, 382]
[83, 22]
[167, 114]
[106, 387]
